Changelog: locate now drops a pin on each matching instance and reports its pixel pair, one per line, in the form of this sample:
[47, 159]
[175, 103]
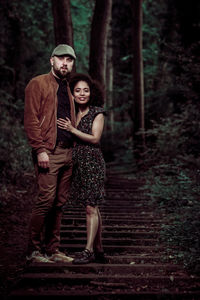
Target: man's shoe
[37, 257]
[59, 257]
[85, 257]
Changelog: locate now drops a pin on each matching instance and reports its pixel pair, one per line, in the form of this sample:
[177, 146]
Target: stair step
[136, 269]
[129, 279]
[111, 241]
[114, 248]
[116, 228]
[108, 221]
[111, 234]
[87, 293]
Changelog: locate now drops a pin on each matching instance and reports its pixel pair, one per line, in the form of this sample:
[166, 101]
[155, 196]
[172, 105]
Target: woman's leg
[92, 219]
[94, 242]
[98, 239]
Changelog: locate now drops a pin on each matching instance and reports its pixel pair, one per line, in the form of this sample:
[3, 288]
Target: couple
[62, 113]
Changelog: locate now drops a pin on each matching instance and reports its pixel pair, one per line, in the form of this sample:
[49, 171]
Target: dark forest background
[153, 45]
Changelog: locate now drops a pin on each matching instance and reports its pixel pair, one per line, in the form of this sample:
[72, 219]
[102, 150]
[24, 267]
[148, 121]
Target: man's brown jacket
[40, 112]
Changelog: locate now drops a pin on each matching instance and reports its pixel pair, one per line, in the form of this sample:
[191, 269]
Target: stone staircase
[137, 267]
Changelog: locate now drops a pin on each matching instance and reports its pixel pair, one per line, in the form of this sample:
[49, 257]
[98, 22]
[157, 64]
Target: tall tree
[13, 53]
[98, 40]
[138, 81]
[109, 82]
[62, 22]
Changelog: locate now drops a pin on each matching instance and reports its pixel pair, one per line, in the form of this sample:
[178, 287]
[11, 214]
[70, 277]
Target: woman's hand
[65, 124]
[94, 137]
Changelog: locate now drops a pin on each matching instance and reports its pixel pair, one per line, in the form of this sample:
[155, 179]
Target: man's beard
[61, 75]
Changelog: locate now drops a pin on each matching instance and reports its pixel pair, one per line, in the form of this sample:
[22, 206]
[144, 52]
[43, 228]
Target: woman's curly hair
[96, 90]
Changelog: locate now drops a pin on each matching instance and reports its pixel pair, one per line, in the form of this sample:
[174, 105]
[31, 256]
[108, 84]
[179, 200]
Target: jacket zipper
[42, 121]
[56, 107]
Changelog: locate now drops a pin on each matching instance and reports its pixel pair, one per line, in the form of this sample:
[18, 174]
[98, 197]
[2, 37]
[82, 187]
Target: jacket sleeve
[32, 116]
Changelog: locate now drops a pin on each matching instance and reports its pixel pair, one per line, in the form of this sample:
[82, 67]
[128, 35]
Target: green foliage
[181, 236]
[35, 30]
[172, 182]
[171, 62]
[82, 12]
[153, 22]
[168, 137]
[27, 37]
[175, 190]
[175, 136]
[117, 144]
[172, 186]
[14, 151]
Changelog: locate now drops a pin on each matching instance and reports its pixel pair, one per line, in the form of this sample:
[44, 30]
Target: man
[47, 98]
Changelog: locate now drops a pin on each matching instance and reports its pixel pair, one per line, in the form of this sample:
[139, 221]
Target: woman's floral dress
[88, 175]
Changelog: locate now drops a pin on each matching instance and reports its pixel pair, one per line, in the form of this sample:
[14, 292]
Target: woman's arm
[97, 129]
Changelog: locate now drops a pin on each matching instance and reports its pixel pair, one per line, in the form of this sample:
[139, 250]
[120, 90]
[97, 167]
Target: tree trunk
[138, 80]
[14, 54]
[62, 22]
[98, 40]
[109, 83]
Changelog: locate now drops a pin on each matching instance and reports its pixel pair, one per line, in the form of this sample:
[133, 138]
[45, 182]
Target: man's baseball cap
[64, 49]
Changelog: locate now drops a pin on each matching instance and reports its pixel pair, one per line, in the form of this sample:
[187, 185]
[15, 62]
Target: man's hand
[43, 160]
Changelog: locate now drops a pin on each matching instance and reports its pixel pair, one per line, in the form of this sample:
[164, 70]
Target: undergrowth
[172, 173]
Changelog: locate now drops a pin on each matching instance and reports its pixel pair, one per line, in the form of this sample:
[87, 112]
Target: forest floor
[15, 208]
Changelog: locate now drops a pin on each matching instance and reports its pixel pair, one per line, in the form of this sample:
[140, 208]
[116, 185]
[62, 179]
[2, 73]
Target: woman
[89, 166]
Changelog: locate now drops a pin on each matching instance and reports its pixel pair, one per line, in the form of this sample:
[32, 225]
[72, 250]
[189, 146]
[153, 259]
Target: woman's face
[82, 92]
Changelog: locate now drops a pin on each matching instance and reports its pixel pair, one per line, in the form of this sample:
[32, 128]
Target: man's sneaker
[86, 257]
[37, 257]
[59, 257]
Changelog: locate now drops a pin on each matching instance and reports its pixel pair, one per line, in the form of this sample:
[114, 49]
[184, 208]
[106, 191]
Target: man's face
[62, 65]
